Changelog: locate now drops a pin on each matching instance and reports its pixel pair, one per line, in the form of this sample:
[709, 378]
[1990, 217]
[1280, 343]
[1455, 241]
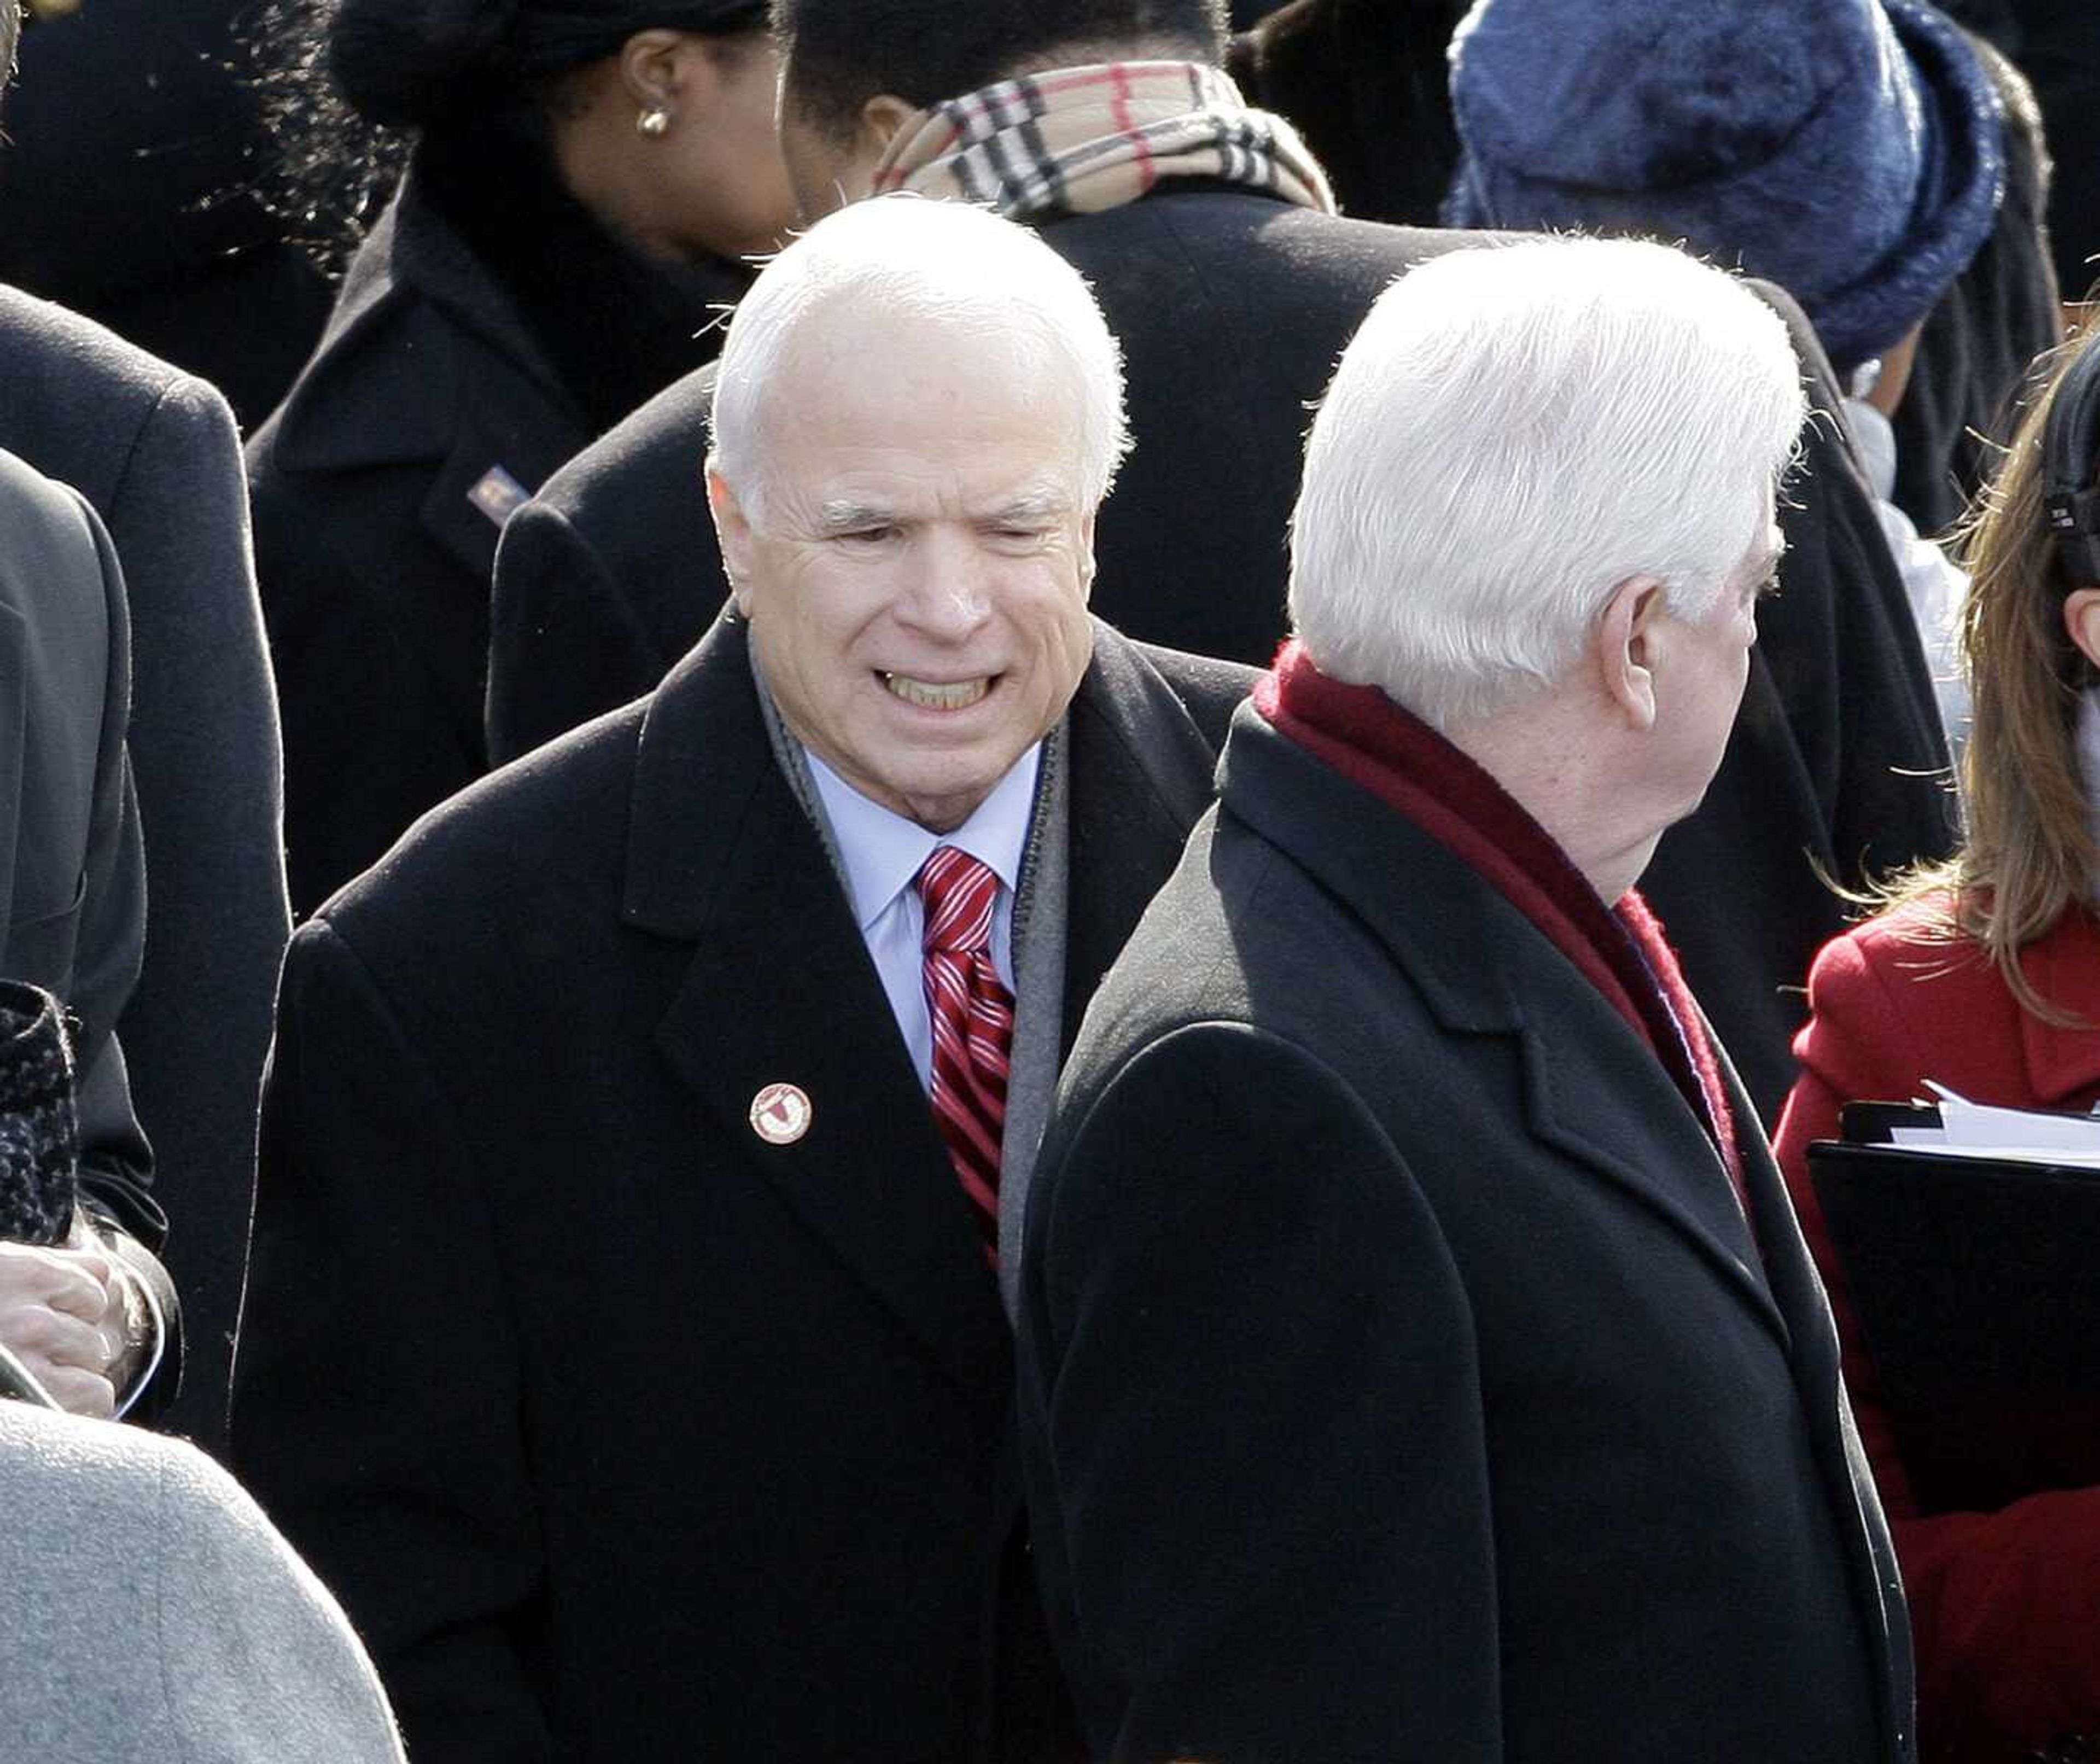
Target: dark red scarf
[1621, 951]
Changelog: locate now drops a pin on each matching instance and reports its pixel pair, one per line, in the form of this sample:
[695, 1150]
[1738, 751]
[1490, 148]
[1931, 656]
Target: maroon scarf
[1621, 951]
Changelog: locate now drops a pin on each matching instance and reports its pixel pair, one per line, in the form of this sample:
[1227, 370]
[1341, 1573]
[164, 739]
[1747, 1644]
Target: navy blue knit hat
[1850, 150]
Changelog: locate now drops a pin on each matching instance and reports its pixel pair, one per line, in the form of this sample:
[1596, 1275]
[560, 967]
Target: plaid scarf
[1082, 139]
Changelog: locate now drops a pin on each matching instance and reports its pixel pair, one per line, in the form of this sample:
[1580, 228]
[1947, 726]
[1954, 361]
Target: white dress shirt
[882, 852]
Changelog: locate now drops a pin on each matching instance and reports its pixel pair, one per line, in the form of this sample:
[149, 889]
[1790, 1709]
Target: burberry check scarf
[1078, 140]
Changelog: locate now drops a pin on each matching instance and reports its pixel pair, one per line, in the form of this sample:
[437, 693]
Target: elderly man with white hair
[1418, 1357]
[643, 1150]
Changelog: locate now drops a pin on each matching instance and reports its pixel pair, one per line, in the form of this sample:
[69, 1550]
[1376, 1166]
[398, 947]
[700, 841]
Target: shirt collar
[882, 852]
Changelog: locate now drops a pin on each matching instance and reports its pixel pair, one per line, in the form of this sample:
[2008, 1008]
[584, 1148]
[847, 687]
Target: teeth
[959, 695]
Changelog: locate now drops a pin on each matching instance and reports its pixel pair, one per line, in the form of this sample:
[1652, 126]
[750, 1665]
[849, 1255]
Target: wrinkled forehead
[853, 374]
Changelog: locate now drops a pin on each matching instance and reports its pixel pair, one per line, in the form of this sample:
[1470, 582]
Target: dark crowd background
[352, 327]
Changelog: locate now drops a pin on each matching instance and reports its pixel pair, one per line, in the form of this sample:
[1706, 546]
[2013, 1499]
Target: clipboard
[1976, 1285]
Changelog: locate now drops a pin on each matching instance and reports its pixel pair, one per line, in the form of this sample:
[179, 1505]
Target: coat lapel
[1140, 774]
[1848, 1479]
[779, 989]
[1485, 969]
[1624, 1098]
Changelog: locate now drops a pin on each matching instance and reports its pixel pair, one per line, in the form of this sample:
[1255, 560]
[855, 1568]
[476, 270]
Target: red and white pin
[780, 1113]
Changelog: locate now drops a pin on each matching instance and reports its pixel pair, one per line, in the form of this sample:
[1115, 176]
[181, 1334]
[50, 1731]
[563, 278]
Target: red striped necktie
[972, 1015]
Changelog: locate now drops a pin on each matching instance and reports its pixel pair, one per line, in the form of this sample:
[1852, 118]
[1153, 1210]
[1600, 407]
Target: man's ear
[2081, 621]
[732, 534]
[1086, 553]
[1625, 648]
[880, 119]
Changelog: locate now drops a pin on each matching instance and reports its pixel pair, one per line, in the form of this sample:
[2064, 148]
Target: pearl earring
[655, 122]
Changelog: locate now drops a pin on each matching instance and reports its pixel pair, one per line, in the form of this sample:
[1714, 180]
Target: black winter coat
[155, 454]
[620, 1433]
[73, 879]
[1399, 1376]
[1233, 308]
[470, 353]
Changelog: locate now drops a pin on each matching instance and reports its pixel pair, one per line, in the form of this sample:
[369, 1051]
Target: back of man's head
[1516, 430]
[841, 53]
[939, 273]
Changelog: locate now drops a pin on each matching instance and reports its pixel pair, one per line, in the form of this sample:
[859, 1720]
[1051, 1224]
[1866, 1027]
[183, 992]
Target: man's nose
[950, 595]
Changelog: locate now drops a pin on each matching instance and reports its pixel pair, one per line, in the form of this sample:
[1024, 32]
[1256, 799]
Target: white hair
[941, 264]
[1516, 429]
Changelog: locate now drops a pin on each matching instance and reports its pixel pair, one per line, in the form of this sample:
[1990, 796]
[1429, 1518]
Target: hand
[62, 1313]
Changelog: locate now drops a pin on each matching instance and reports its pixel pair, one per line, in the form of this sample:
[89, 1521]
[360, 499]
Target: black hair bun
[405, 63]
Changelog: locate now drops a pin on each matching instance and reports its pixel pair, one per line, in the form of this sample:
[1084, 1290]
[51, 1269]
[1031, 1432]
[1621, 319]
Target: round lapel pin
[780, 1114]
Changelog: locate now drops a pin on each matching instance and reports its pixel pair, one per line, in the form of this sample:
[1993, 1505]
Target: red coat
[2005, 1606]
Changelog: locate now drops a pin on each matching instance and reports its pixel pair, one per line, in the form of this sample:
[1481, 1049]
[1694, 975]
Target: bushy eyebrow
[1041, 504]
[847, 516]
[1029, 507]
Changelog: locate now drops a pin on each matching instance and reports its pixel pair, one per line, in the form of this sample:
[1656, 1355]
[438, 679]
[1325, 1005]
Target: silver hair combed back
[1516, 431]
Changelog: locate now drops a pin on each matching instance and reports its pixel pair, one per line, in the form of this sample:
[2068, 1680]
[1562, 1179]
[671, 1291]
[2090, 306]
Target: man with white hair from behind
[644, 1147]
[1418, 1357]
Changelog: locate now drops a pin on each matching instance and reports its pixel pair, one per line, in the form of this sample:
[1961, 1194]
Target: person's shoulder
[69, 1476]
[49, 537]
[75, 397]
[549, 823]
[384, 383]
[1181, 965]
[1238, 934]
[40, 339]
[655, 451]
[1208, 688]
[1911, 947]
[140, 1573]
[1251, 233]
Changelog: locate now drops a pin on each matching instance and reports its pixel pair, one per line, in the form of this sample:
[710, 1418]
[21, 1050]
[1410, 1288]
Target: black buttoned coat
[486, 330]
[73, 879]
[154, 451]
[373, 552]
[621, 1432]
[1399, 1377]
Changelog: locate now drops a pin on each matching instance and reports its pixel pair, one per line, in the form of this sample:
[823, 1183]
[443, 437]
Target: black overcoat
[1233, 308]
[73, 877]
[1399, 1376]
[486, 330]
[620, 1432]
[155, 452]
[373, 552]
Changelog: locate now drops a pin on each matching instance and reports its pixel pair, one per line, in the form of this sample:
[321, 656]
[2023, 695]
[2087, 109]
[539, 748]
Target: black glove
[39, 1132]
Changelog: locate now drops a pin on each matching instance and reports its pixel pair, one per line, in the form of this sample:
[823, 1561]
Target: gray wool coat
[154, 451]
[152, 1613]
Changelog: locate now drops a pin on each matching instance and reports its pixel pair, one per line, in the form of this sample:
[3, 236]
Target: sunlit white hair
[1516, 429]
[944, 264]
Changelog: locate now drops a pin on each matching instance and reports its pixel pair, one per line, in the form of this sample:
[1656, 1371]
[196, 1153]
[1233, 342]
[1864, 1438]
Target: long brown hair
[2028, 854]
